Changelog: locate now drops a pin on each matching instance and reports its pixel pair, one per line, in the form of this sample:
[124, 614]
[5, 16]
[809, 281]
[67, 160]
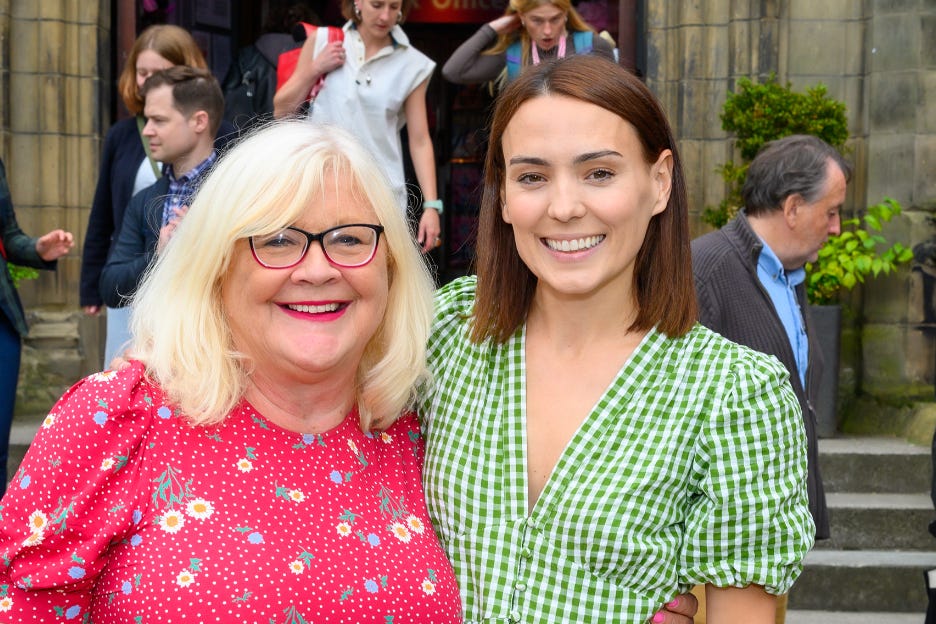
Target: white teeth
[328, 307]
[577, 244]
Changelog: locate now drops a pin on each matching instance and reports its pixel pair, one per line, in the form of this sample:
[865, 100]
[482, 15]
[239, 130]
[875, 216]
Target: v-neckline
[515, 425]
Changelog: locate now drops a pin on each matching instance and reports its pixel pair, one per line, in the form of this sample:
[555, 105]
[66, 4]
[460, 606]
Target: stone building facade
[53, 115]
[878, 56]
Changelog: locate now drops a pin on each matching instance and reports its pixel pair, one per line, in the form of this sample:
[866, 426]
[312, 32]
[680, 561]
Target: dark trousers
[10, 349]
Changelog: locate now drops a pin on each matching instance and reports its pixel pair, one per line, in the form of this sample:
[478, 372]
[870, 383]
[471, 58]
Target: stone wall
[879, 57]
[53, 66]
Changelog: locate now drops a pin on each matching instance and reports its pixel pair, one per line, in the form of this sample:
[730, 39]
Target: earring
[357, 12]
[399, 17]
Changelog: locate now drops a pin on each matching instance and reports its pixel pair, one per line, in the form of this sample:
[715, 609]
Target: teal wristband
[435, 204]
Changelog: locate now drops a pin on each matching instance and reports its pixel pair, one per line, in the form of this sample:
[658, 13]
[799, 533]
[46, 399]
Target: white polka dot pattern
[123, 512]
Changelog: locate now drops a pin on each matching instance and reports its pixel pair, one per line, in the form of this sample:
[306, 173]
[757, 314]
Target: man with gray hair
[749, 275]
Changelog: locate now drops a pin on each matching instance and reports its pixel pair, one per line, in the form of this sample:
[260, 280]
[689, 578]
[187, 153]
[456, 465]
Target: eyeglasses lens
[348, 246]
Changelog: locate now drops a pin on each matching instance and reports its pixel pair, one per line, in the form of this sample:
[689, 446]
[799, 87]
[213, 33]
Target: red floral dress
[124, 512]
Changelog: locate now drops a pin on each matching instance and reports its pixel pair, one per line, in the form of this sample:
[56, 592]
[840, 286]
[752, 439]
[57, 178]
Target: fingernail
[657, 617]
[673, 603]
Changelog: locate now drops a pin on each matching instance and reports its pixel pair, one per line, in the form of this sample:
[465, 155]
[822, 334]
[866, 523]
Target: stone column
[54, 75]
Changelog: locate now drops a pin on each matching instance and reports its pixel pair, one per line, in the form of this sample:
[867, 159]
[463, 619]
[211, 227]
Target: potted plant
[859, 251]
[846, 260]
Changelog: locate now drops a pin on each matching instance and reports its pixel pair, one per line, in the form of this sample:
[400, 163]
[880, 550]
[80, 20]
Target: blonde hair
[575, 23]
[261, 185]
[171, 42]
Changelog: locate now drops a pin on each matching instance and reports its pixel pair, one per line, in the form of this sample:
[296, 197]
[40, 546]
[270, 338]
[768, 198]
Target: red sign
[456, 11]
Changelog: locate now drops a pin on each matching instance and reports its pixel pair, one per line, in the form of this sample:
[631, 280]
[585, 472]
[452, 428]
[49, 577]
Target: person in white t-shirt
[376, 84]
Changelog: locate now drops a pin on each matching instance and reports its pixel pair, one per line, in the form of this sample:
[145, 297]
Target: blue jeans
[10, 349]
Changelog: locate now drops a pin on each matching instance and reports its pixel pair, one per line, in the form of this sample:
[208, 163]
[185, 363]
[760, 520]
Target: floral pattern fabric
[124, 512]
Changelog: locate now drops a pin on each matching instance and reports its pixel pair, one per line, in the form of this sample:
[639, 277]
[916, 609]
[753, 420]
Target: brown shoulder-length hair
[663, 286]
[171, 42]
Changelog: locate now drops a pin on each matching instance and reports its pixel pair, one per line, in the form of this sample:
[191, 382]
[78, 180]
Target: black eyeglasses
[351, 245]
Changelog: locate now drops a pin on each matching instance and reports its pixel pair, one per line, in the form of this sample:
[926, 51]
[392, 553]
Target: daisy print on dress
[245, 464]
[403, 525]
[103, 377]
[301, 563]
[175, 497]
[346, 521]
[6, 601]
[428, 584]
[186, 577]
[290, 494]
[358, 454]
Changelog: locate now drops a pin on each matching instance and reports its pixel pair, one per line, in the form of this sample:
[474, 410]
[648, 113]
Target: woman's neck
[302, 405]
[373, 44]
[581, 323]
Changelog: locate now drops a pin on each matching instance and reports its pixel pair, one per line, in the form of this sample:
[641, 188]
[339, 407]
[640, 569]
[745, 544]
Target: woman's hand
[680, 610]
[430, 231]
[54, 245]
[330, 58]
[505, 23]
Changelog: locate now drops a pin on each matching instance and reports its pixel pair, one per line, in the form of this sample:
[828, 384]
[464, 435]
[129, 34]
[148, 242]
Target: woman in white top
[376, 83]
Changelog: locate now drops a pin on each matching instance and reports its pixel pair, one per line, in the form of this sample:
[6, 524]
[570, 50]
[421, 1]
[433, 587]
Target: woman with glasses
[251, 464]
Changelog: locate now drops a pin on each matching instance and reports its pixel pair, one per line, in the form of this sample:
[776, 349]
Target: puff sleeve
[750, 522]
[74, 496]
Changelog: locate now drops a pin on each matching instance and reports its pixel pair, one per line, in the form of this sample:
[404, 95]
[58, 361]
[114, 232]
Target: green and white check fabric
[690, 469]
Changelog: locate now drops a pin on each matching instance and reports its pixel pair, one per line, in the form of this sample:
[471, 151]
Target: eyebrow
[581, 158]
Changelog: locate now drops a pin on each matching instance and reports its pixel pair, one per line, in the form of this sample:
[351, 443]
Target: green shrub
[845, 260]
[758, 113]
[20, 273]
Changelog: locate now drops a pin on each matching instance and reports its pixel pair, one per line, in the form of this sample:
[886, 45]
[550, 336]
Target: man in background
[750, 274]
[183, 108]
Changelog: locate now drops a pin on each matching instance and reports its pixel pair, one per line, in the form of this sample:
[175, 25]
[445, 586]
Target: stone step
[850, 617]
[874, 464]
[875, 581]
[879, 521]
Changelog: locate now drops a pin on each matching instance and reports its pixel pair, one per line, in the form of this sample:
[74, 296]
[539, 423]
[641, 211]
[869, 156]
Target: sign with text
[456, 11]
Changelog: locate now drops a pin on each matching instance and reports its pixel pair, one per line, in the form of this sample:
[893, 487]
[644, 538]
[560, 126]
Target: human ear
[505, 213]
[791, 205]
[661, 172]
[199, 121]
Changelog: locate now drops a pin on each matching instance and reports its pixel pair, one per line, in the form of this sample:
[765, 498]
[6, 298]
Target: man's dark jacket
[135, 245]
[733, 303]
[123, 153]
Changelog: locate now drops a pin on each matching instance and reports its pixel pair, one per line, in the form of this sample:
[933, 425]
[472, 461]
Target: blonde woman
[256, 459]
[529, 32]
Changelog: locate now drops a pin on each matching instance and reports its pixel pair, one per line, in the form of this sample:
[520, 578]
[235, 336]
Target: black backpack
[250, 82]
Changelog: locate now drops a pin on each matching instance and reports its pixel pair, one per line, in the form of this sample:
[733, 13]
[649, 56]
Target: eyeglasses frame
[320, 237]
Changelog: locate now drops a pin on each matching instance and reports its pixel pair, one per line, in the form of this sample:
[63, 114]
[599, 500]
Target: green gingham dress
[690, 469]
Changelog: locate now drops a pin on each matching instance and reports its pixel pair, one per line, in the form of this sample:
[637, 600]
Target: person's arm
[21, 248]
[423, 157]
[66, 506]
[101, 225]
[468, 64]
[309, 68]
[735, 605]
[131, 254]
